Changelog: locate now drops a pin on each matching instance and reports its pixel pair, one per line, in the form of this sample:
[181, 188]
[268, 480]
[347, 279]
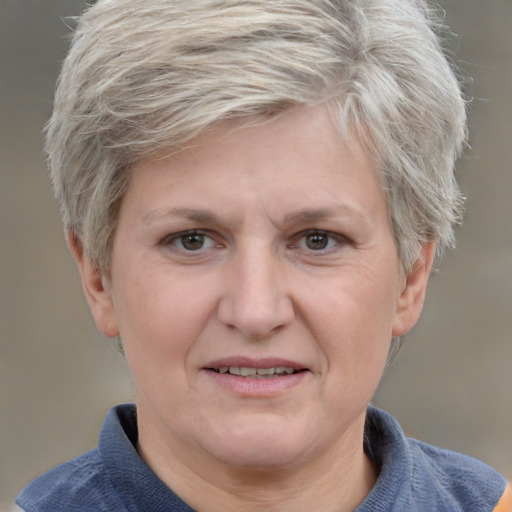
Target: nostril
[255, 320]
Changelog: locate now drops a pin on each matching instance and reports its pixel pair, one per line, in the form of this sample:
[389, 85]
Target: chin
[257, 443]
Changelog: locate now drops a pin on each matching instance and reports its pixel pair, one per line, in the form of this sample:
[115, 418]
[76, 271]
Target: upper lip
[250, 362]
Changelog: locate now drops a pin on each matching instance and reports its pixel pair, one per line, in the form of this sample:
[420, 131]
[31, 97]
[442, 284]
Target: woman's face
[256, 287]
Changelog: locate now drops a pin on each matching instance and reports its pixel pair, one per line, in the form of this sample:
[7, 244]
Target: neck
[336, 481]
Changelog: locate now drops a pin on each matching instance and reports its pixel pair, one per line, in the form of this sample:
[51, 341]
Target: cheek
[352, 324]
[159, 320]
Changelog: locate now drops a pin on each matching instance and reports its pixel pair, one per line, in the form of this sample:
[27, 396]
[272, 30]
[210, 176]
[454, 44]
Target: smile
[257, 378]
[256, 373]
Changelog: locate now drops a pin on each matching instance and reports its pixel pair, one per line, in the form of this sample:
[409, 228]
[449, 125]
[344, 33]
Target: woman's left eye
[318, 240]
[189, 241]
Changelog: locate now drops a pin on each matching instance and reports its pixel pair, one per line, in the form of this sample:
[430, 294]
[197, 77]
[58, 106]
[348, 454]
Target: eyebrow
[314, 215]
[304, 216]
[193, 214]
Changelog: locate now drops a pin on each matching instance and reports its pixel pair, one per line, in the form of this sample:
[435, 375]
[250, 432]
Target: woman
[254, 193]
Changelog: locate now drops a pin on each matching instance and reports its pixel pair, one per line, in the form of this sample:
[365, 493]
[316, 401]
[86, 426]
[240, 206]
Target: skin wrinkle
[257, 292]
[239, 92]
[304, 216]
[142, 93]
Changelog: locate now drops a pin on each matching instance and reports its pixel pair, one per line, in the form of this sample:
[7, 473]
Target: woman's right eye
[190, 241]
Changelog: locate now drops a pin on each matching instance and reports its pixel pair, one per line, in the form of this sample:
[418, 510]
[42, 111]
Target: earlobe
[96, 288]
[412, 296]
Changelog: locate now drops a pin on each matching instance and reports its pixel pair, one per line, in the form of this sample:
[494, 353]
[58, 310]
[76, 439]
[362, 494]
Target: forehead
[296, 166]
[308, 139]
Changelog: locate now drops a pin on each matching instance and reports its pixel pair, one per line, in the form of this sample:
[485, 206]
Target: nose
[256, 300]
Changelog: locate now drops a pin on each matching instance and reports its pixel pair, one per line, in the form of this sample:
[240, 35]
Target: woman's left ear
[96, 289]
[411, 299]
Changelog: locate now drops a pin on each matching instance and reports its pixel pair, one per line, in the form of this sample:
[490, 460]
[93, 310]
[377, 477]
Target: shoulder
[455, 478]
[79, 484]
[414, 476]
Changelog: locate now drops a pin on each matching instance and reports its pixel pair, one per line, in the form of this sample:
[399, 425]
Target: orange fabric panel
[505, 503]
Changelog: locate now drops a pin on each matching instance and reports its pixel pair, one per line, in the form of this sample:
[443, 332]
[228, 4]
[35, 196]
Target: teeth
[244, 371]
[266, 371]
[283, 370]
[247, 372]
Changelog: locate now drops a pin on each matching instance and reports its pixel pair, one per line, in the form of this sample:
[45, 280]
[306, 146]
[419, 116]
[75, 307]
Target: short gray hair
[146, 76]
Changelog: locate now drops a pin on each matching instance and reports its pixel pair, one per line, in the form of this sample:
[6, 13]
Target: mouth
[247, 372]
[263, 377]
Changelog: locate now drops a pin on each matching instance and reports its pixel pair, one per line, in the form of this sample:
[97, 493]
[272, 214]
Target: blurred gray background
[452, 385]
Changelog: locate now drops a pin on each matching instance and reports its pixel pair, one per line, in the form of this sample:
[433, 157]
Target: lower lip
[257, 388]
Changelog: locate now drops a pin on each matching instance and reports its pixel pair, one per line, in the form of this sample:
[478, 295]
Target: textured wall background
[452, 385]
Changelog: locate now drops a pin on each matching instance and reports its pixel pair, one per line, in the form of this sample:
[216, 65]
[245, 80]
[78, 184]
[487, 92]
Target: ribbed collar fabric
[412, 477]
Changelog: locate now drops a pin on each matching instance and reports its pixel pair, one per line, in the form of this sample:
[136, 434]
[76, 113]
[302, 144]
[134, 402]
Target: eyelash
[175, 238]
[300, 241]
[332, 240]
